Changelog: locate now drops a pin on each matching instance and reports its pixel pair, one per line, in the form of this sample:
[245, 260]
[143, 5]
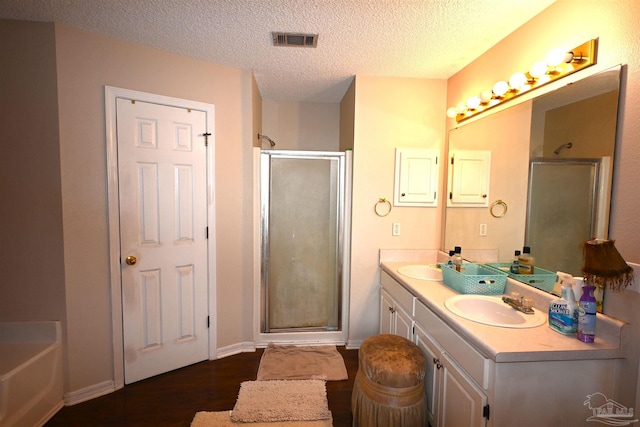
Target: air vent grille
[295, 39]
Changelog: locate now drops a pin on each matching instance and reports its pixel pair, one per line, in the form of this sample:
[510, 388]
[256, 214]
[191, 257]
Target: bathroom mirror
[550, 176]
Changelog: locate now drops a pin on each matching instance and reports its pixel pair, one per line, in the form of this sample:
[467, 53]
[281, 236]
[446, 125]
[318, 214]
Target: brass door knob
[131, 260]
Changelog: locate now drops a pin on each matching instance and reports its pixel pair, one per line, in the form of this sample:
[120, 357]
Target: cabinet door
[416, 180]
[432, 380]
[469, 178]
[403, 323]
[387, 324]
[462, 403]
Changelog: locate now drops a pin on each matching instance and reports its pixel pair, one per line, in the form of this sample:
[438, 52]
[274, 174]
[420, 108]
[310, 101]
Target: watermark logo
[608, 411]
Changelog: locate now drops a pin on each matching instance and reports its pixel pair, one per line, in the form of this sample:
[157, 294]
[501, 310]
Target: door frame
[111, 94]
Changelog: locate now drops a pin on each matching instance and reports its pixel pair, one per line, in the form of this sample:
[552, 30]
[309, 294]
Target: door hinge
[206, 138]
[485, 411]
[436, 160]
[208, 322]
[451, 160]
[450, 195]
[206, 232]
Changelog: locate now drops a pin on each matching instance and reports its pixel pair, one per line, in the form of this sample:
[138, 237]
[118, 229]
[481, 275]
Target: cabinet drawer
[475, 364]
[398, 293]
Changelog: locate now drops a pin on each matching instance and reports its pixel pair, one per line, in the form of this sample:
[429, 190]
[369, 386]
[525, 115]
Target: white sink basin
[422, 271]
[491, 310]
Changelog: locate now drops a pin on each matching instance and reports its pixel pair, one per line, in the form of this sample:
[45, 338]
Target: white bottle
[563, 313]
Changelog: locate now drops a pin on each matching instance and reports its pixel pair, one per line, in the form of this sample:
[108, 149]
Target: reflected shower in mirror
[551, 164]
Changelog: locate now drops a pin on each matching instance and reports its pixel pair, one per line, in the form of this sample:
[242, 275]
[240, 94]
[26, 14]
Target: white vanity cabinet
[544, 386]
[453, 398]
[396, 311]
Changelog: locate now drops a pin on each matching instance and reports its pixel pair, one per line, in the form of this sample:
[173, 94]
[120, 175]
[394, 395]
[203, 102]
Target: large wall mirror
[549, 186]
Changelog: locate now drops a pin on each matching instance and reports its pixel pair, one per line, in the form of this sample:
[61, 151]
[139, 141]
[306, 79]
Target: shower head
[562, 147]
[260, 136]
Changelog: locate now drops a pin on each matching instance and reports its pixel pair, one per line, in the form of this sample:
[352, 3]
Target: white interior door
[163, 237]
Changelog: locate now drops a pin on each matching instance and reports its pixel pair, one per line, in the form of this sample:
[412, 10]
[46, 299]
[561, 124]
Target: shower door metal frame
[343, 207]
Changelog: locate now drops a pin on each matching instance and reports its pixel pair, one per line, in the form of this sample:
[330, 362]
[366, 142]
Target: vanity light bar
[556, 65]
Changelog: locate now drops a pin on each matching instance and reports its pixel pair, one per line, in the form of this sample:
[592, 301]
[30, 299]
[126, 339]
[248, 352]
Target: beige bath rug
[289, 362]
[275, 401]
[223, 419]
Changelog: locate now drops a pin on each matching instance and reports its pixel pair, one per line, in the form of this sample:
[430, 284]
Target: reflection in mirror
[551, 164]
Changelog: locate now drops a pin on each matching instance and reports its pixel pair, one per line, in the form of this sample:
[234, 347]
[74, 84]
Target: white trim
[245, 347]
[88, 393]
[111, 94]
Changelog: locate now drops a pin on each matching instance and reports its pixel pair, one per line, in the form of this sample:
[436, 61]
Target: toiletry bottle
[526, 261]
[563, 313]
[587, 315]
[457, 258]
[451, 255]
[514, 265]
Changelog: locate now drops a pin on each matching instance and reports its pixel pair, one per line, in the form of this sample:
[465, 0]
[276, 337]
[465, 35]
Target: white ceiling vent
[295, 39]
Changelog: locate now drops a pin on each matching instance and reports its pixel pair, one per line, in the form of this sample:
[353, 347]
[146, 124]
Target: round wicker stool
[389, 386]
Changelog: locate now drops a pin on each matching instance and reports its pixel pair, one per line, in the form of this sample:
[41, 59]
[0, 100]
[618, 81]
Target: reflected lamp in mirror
[557, 64]
[604, 266]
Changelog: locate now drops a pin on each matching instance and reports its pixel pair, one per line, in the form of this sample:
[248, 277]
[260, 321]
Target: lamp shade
[604, 265]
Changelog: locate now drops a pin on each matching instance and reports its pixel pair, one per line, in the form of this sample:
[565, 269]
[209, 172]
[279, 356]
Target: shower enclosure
[305, 217]
[566, 207]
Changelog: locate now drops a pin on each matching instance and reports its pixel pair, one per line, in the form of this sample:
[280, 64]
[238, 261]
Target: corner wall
[389, 113]
[32, 285]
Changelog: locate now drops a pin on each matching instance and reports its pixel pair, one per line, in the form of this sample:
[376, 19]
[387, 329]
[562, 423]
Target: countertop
[514, 345]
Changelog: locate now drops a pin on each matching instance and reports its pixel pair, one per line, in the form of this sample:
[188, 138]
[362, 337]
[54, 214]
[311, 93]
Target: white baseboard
[88, 393]
[244, 347]
[353, 344]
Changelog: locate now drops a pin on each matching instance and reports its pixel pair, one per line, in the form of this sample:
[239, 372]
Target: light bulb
[555, 57]
[485, 96]
[473, 102]
[538, 69]
[461, 107]
[517, 80]
[452, 112]
[500, 88]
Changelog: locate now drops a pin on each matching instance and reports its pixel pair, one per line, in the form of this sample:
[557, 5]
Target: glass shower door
[562, 211]
[302, 225]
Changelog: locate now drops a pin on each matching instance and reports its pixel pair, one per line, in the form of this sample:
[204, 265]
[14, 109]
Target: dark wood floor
[172, 399]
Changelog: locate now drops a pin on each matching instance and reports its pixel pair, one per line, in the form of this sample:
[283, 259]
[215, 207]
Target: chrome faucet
[520, 303]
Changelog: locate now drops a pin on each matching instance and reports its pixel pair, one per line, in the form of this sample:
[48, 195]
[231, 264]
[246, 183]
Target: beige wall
[32, 276]
[347, 114]
[389, 113]
[301, 125]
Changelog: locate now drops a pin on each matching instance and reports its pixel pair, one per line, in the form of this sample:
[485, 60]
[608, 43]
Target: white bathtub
[31, 389]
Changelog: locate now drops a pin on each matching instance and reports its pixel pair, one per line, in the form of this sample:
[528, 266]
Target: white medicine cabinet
[416, 177]
[469, 178]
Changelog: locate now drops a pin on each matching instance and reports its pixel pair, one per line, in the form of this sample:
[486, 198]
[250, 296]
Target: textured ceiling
[425, 39]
